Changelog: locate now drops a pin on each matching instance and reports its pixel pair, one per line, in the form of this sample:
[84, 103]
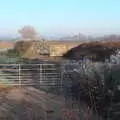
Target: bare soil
[29, 104]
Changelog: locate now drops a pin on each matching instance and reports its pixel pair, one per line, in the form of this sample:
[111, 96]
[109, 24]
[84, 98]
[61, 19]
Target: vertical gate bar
[40, 73]
[61, 78]
[19, 75]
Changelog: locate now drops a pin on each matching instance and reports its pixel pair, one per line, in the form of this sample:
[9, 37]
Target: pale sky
[57, 17]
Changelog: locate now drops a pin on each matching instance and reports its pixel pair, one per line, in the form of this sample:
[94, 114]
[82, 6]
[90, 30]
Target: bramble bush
[98, 86]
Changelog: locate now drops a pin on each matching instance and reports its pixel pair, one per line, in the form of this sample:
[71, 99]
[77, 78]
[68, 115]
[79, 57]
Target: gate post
[19, 72]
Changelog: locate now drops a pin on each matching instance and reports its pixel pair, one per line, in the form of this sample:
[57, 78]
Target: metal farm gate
[30, 74]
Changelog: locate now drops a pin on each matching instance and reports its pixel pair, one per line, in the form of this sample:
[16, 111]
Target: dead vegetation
[94, 50]
[22, 46]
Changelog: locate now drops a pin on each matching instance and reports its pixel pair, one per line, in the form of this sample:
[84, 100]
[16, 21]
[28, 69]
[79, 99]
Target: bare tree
[28, 32]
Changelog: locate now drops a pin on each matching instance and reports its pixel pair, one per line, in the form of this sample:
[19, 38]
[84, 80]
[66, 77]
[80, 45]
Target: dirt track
[29, 104]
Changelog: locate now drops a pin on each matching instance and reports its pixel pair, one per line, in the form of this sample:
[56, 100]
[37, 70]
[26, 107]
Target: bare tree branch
[28, 32]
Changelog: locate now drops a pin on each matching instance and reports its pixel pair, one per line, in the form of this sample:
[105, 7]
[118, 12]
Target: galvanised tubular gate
[30, 74]
[35, 74]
